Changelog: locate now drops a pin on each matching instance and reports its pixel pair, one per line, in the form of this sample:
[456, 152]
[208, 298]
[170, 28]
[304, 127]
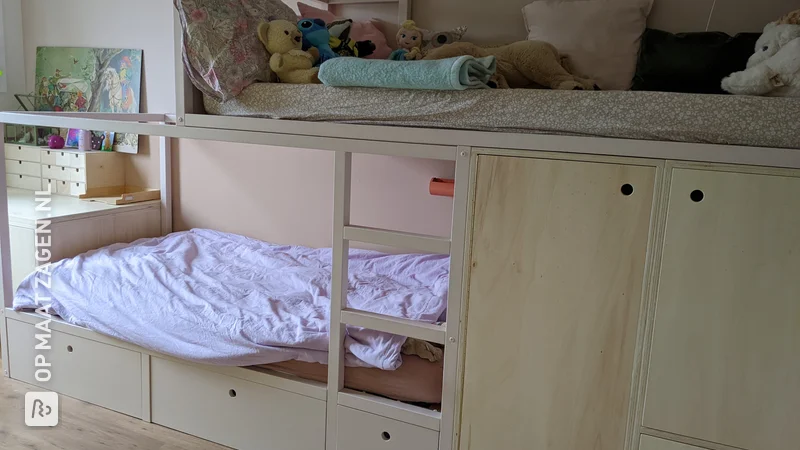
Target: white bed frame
[189, 122]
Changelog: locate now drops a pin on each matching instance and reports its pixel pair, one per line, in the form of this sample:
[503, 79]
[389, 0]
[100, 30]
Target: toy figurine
[409, 39]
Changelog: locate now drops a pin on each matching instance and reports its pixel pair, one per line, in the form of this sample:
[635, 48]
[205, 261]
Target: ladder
[341, 316]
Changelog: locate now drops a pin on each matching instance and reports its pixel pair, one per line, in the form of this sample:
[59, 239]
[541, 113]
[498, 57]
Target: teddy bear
[774, 68]
[284, 41]
[523, 64]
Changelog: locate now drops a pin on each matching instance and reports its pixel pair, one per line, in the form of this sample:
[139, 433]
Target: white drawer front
[49, 156]
[22, 152]
[234, 412]
[56, 172]
[23, 182]
[77, 160]
[98, 373]
[77, 189]
[20, 167]
[77, 175]
[60, 187]
[359, 430]
[63, 158]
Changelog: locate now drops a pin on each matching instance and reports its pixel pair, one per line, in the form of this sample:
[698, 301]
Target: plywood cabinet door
[725, 359]
[555, 291]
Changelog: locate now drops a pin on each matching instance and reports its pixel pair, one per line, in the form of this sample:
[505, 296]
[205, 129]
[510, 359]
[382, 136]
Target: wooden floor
[83, 427]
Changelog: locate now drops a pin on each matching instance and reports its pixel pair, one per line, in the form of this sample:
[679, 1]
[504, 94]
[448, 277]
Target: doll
[409, 39]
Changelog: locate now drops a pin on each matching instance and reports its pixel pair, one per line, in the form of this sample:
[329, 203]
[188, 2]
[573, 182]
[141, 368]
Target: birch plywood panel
[724, 363]
[555, 290]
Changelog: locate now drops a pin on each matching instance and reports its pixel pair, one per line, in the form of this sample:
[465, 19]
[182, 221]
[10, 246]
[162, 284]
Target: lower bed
[712, 119]
[218, 298]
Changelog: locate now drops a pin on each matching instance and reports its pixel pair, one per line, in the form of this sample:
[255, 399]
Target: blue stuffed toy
[316, 34]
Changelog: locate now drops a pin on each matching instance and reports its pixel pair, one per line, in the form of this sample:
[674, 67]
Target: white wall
[140, 24]
[15, 58]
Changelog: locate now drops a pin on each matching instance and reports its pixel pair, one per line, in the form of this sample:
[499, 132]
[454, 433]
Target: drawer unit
[23, 152]
[55, 172]
[189, 398]
[49, 157]
[77, 175]
[66, 158]
[70, 172]
[360, 430]
[61, 187]
[23, 182]
[20, 167]
[98, 373]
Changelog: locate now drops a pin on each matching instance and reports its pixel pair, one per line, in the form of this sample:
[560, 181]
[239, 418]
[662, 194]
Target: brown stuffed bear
[524, 64]
[284, 42]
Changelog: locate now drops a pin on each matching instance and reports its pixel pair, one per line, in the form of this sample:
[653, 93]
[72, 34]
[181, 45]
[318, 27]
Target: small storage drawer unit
[20, 167]
[91, 371]
[67, 172]
[23, 152]
[360, 430]
[189, 399]
[23, 182]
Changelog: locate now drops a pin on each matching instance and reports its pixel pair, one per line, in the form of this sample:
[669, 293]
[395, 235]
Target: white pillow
[601, 37]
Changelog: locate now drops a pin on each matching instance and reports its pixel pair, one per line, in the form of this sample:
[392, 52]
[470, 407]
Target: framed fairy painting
[90, 80]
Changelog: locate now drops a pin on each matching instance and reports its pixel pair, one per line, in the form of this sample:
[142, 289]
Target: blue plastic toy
[316, 34]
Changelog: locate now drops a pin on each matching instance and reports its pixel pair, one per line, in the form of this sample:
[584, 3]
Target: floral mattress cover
[712, 119]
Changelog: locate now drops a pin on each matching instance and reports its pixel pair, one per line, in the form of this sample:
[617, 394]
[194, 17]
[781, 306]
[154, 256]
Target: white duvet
[224, 299]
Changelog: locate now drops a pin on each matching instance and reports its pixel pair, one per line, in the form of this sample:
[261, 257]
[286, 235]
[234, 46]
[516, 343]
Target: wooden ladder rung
[421, 242]
[402, 327]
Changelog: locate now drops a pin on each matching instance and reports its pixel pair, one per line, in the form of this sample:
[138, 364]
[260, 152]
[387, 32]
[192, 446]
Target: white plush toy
[774, 69]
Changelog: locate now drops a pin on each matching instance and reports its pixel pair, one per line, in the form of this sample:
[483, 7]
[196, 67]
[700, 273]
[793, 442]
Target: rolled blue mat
[453, 74]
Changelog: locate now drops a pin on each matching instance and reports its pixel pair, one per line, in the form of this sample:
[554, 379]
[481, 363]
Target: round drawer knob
[232, 393]
[697, 196]
[386, 436]
[69, 349]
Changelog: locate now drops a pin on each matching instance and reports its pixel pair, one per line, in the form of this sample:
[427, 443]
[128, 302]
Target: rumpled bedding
[219, 298]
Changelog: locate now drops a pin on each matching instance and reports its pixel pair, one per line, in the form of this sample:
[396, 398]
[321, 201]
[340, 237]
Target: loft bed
[305, 408]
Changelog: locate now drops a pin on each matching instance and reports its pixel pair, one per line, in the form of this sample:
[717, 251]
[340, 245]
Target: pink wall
[285, 195]
[276, 194]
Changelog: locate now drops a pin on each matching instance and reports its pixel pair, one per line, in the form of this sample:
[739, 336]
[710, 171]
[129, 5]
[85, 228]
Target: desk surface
[22, 208]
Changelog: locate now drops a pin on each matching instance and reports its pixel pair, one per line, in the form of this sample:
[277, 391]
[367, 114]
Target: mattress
[219, 298]
[713, 119]
[416, 381]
